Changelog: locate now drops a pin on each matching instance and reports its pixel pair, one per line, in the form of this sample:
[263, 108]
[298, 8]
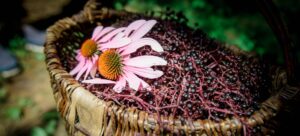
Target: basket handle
[99, 10]
[272, 16]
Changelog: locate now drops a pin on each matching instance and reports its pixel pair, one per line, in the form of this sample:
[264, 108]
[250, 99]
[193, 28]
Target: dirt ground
[27, 98]
[40, 9]
[31, 92]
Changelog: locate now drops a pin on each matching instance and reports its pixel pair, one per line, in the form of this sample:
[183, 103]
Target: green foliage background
[235, 23]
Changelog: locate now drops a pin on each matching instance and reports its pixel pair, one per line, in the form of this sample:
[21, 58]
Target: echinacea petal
[111, 34]
[116, 43]
[119, 36]
[145, 72]
[88, 70]
[93, 71]
[79, 74]
[132, 47]
[79, 56]
[133, 81]
[125, 57]
[134, 26]
[96, 32]
[145, 61]
[103, 32]
[120, 85]
[145, 85]
[98, 81]
[139, 33]
[79, 66]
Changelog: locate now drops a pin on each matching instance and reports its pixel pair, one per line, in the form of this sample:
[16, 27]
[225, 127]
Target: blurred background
[27, 107]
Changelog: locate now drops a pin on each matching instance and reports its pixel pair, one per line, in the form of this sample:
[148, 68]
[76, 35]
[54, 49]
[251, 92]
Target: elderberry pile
[202, 80]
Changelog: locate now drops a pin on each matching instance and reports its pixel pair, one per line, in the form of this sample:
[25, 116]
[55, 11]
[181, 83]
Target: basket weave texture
[85, 114]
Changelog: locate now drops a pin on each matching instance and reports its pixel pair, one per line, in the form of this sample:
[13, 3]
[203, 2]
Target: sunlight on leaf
[37, 131]
[39, 56]
[14, 113]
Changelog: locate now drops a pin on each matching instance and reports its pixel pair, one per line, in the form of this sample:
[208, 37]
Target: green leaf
[48, 116]
[260, 50]
[3, 94]
[198, 3]
[118, 6]
[17, 43]
[24, 102]
[244, 43]
[37, 131]
[51, 127]
[39, 56]
[14, 113]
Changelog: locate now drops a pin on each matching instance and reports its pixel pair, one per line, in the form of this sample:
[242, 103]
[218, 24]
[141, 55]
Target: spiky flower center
[88, 48]
[110, 64]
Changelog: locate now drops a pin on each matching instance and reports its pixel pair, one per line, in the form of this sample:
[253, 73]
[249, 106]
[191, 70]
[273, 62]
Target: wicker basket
[85, 114]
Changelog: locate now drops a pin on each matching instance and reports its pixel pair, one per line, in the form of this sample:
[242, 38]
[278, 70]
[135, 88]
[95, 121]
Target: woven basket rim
[268, 109]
